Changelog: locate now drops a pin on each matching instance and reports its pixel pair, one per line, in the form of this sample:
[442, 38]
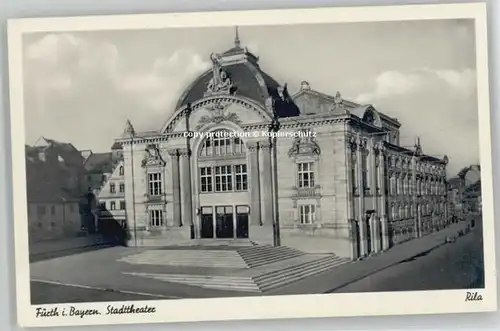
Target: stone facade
[344, 185]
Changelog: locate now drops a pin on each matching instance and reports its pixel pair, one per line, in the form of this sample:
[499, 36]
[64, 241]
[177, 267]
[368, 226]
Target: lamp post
[131, 133]
[274, 127]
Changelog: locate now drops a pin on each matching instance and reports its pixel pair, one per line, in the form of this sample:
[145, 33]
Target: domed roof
[247, 79]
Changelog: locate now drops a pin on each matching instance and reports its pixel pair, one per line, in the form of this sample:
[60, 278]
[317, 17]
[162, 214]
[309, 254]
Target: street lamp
[274, 127]
[131, 133]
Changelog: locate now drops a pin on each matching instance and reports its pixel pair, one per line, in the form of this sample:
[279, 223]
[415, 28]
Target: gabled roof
[99, 163]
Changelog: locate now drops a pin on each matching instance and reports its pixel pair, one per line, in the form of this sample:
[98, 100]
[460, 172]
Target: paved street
[452, 266]
[46, 293]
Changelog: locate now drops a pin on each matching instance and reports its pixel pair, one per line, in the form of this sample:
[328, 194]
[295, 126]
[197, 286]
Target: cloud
[56, 61]
[393, 83]
[162, 85]
[439, 106]
[86, 85]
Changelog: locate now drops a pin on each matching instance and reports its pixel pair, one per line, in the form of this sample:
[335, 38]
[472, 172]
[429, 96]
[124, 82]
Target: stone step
[271, 258]
[222, 259]
[261, 255]
[226, 283]
[297, 272]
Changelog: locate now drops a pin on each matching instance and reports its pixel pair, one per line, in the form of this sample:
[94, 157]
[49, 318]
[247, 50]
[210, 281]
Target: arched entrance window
[222, 143]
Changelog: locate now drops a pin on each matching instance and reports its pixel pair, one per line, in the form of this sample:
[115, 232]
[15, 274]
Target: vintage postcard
[252, 165]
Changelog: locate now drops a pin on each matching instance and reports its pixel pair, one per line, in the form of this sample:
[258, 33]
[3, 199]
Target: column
[384, 226]
[353, 228]
[176, 187]
[266, 197]
[253, 153]
[362, 222]
[187, 203]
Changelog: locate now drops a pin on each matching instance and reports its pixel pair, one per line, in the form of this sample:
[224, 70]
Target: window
[206, 179]
[52, 210]
[364, 169]
[307, 214]
[223, 179]
[239, 147]
[121, 171]
[221, 143]
[306, 174]
[102, 206]
[122, 187]
[393, 185]
[354, 179]
[112, 188]
[122, 205]
[155, 184]
[241, 177]
[207, 150]
[112, 205]
[156, 217]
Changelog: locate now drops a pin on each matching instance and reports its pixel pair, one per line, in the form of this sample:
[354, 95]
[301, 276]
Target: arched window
[121, 170]
[222, 142]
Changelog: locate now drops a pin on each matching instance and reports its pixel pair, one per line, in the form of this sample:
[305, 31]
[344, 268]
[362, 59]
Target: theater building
[344, 183]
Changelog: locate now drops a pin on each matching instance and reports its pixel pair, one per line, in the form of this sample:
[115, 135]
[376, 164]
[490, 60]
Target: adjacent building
[111, 190]
[464, 191]
[336, 175]
[54, 174]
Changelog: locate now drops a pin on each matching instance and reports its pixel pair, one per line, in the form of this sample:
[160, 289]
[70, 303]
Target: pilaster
[186, 195]
[176, 187]
[255, 210]
[266, 197]
[362, 221]
[384, 226]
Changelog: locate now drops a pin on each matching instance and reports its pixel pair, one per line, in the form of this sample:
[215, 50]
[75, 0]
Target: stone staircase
[259, 269]
[188, 258]
[257, 256]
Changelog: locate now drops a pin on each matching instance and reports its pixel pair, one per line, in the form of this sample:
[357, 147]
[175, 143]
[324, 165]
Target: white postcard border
[266, 307]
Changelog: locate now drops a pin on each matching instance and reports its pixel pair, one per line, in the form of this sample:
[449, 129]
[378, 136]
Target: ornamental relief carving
[304, 144]
[152, 157]
[210, 101]
[218, 114]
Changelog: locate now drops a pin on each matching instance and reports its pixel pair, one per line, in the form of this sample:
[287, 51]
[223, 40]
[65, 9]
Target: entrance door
[224, 226]
[241, 221]
[207, 222]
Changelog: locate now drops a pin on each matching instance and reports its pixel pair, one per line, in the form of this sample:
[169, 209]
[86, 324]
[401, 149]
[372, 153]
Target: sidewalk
[351, 272]
[57, 245]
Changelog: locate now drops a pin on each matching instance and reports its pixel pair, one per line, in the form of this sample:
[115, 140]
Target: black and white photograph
[252, 165]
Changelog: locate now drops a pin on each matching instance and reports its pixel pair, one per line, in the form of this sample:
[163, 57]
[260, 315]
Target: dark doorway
[368, 234]
[224, 226]
[241, 221]
[207, 222]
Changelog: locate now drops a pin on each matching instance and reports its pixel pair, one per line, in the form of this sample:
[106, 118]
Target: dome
[247, 80]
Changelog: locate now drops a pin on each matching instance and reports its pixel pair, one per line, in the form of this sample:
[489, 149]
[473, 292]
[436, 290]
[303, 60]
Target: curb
[376, 270]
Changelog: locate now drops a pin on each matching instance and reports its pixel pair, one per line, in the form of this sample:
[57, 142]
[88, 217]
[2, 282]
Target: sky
[82, 87]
